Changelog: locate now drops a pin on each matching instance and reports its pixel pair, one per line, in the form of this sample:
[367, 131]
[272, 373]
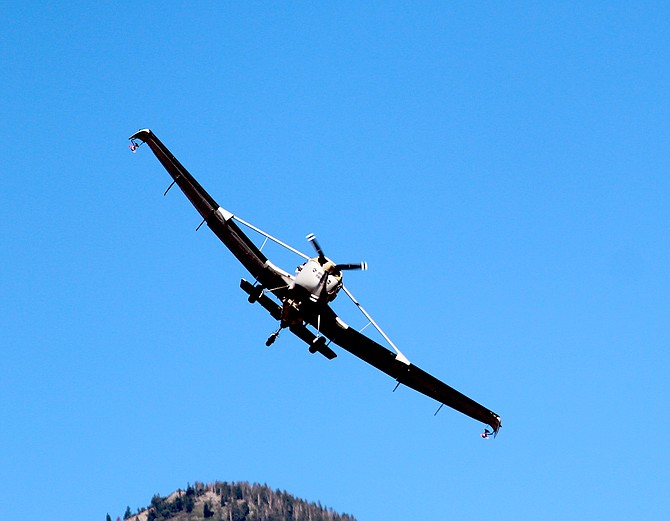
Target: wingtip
[141, 134]
[496, 425]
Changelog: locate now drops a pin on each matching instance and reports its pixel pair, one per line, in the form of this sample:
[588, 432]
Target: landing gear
[271, 339]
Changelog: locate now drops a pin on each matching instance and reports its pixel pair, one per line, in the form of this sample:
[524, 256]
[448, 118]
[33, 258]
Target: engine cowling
[318, 278]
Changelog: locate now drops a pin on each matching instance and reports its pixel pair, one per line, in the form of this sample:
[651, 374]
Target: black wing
[219, 220]
[407, 374]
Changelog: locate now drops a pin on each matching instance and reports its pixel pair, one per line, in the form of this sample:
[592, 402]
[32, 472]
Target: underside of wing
[405, 373]
[220, 221]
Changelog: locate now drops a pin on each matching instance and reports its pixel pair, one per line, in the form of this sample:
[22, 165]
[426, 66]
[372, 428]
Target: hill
[221, 501]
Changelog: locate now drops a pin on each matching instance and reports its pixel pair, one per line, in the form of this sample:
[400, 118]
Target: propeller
[337, 267]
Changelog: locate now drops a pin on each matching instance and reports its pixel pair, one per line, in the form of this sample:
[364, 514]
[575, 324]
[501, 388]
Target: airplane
[302, 300]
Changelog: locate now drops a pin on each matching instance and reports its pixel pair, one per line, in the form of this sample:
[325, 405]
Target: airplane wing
[404, 372]
[220, 221]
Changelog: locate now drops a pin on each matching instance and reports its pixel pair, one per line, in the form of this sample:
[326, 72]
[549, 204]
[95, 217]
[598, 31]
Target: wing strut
[399, 356]
[268, 236]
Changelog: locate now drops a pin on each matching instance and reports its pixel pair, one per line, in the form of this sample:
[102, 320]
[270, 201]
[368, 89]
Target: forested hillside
[223, 501]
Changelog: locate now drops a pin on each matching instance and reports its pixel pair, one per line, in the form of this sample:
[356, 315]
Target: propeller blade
[360, 266]
[312, 238]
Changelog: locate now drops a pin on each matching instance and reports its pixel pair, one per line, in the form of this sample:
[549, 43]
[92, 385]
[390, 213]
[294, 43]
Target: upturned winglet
[495, 424]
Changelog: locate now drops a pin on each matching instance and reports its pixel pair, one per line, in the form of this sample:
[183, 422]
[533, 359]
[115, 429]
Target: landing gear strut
[271, 339]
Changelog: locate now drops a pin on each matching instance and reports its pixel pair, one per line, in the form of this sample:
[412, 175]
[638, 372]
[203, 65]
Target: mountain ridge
[235, 501]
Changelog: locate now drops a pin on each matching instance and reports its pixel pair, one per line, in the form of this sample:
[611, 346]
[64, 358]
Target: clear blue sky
[503, 168]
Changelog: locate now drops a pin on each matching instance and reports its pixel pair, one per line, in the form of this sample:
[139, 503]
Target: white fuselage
[317, 279]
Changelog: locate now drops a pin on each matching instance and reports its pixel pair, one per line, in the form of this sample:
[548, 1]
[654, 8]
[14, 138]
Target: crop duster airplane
[301, 301]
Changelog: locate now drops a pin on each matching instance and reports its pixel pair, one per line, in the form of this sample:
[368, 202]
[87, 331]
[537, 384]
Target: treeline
[222, 501]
